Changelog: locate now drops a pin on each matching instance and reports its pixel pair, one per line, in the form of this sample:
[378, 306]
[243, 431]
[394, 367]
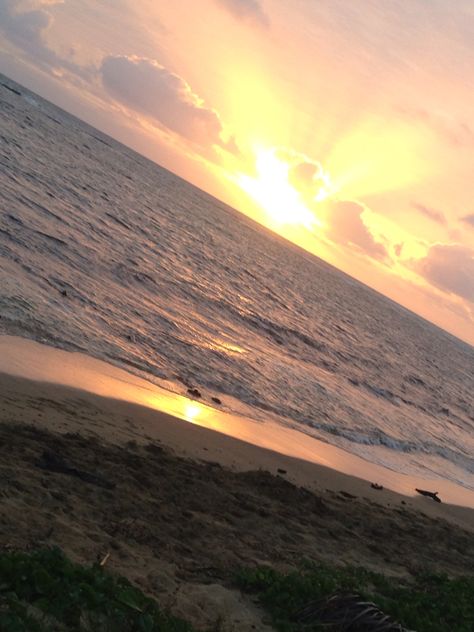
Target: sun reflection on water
[192, 411]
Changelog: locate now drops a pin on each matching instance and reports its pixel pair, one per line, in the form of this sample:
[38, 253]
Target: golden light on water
[192, 411]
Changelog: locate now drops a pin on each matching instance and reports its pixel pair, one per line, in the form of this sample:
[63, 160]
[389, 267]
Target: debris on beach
[281, 471]
[348, 612]
[376, 486]
[433, 495]
[216, 400]
[194, 392]
[347, 495]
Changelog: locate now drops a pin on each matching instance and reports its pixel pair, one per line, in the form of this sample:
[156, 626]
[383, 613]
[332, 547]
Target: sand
[180, 507]
[38, 362]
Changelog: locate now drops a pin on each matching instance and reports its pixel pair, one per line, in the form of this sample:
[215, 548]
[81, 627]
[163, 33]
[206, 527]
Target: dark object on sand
[281, 471]
[216, 400]
[347, 495]
[54, 462]
[376, 486]
[64, 292]
[194, 392]
[433, 495]
[347, 612]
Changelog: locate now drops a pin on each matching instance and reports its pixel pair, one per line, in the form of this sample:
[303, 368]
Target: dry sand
[180, 507]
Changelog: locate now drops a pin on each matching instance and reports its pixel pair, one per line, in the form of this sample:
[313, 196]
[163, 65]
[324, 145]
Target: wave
[122, 260]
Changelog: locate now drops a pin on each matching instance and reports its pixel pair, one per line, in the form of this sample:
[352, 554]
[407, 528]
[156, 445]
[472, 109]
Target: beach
[179, 508]
[184, 394]
[125, 262]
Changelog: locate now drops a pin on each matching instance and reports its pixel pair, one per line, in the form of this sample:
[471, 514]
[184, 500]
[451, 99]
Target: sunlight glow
[273, 191]
[191, 411]
[373, 159]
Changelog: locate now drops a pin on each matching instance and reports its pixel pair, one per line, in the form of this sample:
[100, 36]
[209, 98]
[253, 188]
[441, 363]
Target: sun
[276, 195]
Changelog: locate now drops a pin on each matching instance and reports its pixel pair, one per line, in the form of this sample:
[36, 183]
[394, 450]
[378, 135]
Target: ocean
[104, 252]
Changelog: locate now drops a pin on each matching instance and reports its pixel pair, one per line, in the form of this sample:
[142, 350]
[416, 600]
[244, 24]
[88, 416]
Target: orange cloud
[345, 226]
[164, 97]
[431, 213]
[468, 219]
[306, 175]
[450, 268]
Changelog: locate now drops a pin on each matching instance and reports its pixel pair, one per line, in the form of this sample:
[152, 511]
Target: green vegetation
[43, 591]
[428, 603]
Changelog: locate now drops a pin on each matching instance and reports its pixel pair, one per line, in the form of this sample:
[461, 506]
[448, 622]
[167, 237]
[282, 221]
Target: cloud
[148, 87]
[25, 24]
[30, 5]
[343, 219]
[398, 249]
[26, 29]
[346, 227]
[468, 219]
[449, 267]
[431, 213]
[246, 10]
[305, 175]
[455, 132]
[141, 84]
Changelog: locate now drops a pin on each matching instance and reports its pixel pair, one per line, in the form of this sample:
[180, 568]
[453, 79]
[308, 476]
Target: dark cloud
[431, 213]
[347, 227]
[449, 267]
[146, 86]
[246, 10]
[468, 219]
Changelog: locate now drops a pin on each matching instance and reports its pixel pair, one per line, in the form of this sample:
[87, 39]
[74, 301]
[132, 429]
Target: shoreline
[179, 508]
[88, 377]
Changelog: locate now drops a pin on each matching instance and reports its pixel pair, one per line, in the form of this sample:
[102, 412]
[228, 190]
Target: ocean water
[104, 252]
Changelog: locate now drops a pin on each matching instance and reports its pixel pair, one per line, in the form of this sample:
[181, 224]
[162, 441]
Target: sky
[347, 126]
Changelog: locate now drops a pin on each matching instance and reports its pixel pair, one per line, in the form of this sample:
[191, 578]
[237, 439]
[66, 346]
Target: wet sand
[37, 362]
[179, 507]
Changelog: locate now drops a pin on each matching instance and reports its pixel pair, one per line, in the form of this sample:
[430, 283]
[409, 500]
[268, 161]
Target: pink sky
[347, 127]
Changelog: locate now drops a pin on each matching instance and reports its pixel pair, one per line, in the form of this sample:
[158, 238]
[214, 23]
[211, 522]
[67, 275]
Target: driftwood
[55, 463]
[347, 613]
[104, 560]
[433, 495]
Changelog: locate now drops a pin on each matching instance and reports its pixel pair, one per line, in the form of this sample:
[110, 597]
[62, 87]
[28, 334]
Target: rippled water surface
[105, 252]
